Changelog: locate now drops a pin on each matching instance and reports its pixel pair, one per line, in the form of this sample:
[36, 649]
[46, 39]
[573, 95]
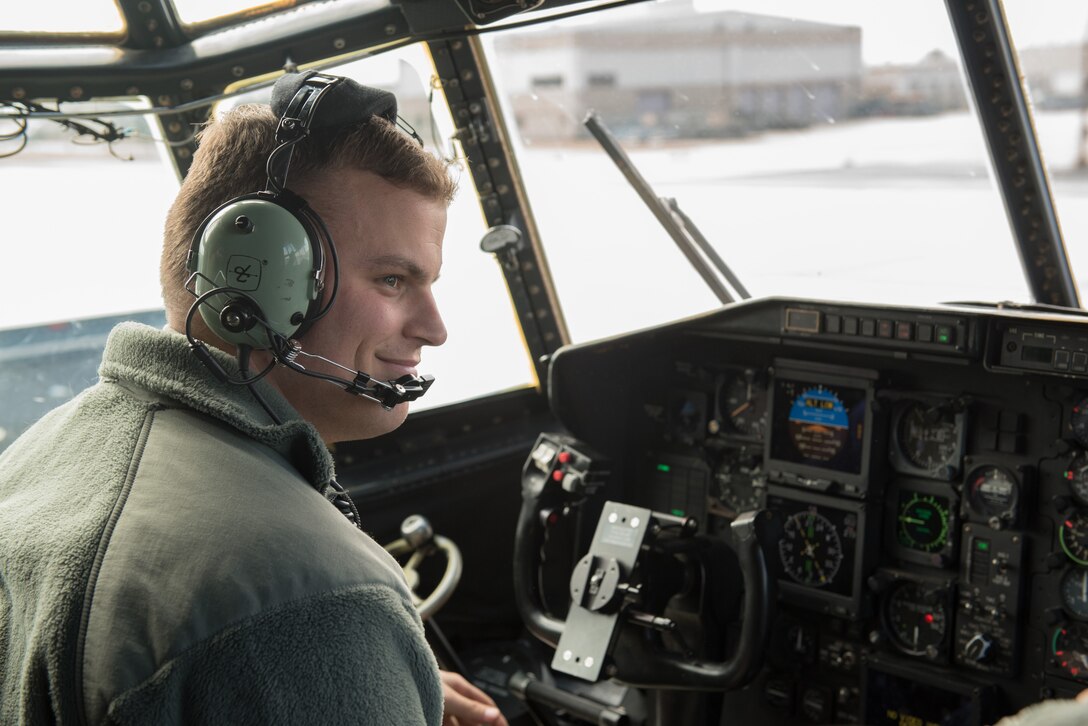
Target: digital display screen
[894, 701]
[818, 424]
[1036, 354]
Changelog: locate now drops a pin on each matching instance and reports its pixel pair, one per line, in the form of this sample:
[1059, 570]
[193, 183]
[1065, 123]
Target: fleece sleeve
[354, 656]
[1049, 713]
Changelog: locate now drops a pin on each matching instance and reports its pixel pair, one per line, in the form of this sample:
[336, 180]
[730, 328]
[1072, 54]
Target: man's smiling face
[389, 242]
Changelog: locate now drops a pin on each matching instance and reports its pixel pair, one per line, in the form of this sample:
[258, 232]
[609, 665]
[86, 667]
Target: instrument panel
[929, 468]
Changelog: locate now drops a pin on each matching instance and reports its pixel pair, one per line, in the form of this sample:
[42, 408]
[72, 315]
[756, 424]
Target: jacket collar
[160, 362]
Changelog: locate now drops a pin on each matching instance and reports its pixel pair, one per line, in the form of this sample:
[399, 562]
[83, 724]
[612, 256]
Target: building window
[654, 101]
[547, 81]
[601, 80]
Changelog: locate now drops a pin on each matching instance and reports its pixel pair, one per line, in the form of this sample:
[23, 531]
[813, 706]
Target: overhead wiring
[88, 130]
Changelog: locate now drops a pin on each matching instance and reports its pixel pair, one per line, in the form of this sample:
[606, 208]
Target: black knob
[979, 648]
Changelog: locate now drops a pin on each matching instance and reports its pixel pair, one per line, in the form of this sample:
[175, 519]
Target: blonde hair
[230, 162]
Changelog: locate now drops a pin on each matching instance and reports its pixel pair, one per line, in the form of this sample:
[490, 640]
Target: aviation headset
[257, 263]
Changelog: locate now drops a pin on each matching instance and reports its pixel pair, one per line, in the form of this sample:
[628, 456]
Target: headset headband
[294, 125]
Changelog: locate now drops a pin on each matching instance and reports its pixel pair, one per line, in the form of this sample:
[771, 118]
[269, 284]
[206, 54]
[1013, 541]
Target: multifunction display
[819, 430]
[823, 425]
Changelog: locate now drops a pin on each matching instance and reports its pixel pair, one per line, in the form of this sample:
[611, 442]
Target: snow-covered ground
[882, 210]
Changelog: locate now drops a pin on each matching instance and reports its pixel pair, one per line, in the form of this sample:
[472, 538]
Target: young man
[170, 552]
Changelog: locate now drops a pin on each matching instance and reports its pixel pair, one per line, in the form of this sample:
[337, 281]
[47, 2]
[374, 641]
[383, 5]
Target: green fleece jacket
[168, 556]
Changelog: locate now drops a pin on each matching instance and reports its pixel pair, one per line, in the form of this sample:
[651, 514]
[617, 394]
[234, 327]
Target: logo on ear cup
[244, 272]
[257, 246]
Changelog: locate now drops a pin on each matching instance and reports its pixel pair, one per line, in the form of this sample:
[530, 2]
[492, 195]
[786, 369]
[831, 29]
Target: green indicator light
[678, 512]
[982, 545]
[664, 467]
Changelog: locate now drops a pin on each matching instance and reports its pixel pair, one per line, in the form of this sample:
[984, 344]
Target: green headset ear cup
[262, 249]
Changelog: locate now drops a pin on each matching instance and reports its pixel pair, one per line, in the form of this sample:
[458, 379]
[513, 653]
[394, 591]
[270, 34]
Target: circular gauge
[1073, 537]
[992, 492]
[810, 549]
[929, 437]
[1078, 421]
[741, 483]
[819, 424]
[916, 619]
[1077, 476]
[1074, 589]
[742, 403]
[1069, 649]
[923, 521]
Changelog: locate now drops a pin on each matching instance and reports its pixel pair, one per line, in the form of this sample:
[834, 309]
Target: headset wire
[244, 352]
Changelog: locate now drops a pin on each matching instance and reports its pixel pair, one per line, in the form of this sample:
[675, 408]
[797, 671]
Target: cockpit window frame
[997, 87]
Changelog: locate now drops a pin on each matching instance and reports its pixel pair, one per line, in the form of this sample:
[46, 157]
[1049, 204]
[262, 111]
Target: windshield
[825, 150]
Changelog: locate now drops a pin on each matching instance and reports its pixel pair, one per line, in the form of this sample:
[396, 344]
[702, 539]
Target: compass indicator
[810, 549]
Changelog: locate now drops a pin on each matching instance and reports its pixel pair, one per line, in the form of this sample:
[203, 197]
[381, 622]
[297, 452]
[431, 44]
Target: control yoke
[611, 627]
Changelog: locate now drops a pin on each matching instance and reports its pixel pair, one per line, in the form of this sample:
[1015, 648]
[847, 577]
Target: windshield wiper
[695, 247]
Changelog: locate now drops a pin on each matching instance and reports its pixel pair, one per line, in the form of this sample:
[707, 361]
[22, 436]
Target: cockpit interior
[766, 398]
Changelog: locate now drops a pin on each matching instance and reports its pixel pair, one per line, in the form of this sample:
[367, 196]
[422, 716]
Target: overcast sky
[905, 30]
